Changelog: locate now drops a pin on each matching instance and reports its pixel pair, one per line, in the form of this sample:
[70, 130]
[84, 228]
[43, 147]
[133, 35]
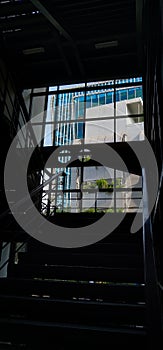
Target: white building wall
[103, 131]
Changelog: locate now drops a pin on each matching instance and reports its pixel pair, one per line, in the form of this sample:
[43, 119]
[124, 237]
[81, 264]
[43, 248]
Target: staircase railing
[32, 194]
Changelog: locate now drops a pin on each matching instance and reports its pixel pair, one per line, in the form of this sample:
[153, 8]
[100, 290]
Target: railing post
[152, 293]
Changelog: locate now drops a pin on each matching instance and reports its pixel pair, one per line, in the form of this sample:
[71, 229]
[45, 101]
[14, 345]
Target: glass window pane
[99, 131]
[43, 89]
[38, 105]
[100, 103]
[21, 138]
[37, 129]
[92, 111]
[69, 133]
[129, 130]
[71, 86]
[131, 93]
[26, 95]
[53, 88]
[70, 106]
[49, 135]
[139, 91]
[100, 83]
[51, 108]
[129, 101]
[129, 80]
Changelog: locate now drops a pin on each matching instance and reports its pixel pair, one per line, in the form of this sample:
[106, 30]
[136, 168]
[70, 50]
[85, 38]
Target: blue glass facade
[69, 107]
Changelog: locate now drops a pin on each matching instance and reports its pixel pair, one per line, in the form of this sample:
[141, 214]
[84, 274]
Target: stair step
[66, 289]
[78, 273]
[84, 219]
[73, 311]
[125, 247]
[121, 232]
[84, 297]
[80, 259]
[74, 335]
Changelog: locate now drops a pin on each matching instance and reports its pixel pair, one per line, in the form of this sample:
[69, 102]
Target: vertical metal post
[153, 301]
[95, 201]
[115, 126]
[63, 189]
[115, 138]
[4, 258]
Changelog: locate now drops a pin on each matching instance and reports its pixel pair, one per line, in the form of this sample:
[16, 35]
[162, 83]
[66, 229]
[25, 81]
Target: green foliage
[102, 183]
[89, 185]
[84, 158]
[110, 210]
[90, 210]
[120, 210]
[118, 183]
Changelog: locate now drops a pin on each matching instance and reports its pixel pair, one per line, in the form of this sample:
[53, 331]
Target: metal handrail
[32, 193]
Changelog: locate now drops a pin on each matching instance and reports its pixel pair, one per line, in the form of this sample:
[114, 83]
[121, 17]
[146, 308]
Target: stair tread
[115, 291]
[80, 259]
[127, 330]
[97, 273]
[105, 247]
[75, 302]
[76, 311]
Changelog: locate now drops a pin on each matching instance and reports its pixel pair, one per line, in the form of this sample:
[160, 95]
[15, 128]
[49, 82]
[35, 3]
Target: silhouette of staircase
[89, 296]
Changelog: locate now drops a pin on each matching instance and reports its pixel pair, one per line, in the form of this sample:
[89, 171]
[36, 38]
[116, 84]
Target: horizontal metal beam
[51, 19]
[110, 57]
[60, 29]
[46, 37]
[122, 148]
